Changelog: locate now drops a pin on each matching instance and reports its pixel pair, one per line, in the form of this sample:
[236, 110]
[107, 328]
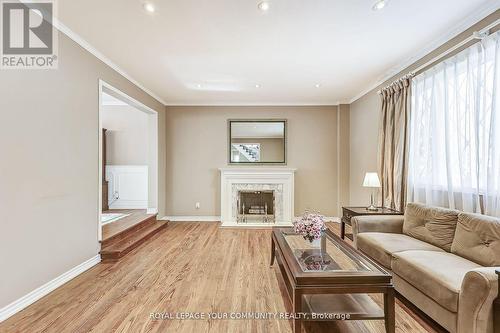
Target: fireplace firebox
[256, 206]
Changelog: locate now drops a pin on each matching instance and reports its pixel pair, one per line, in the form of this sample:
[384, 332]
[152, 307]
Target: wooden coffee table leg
[273, 251]
[342, 229]
[389, 311]
[297, 308]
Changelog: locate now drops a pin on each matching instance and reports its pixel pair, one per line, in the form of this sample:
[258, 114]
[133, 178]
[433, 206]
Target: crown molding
[255, 104]
[489, 8]
[92, 50]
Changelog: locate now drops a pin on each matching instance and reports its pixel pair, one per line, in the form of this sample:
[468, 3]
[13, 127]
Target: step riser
[126, 232]
[115, 250]
[115, 256]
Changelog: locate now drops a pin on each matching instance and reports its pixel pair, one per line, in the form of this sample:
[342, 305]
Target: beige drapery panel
[393, 143]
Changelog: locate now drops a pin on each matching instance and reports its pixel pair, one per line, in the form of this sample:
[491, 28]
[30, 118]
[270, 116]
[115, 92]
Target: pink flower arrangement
[310, 226]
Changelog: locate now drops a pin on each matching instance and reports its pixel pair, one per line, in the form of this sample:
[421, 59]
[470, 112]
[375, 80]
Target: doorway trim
[152, 157]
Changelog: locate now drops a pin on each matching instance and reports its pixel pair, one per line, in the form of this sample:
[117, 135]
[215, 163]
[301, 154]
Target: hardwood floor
[187, 267]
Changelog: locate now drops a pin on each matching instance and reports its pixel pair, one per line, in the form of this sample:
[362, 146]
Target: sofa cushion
[445, 317]
[478, 239]
[380, 246]
[433, 225]
[439, 275]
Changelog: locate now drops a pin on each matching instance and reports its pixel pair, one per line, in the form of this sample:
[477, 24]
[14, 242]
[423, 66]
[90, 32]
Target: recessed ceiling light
[149, 7]
[317, 85]
[264, 6]
[198, 85]
[380, 4]
[257, 86]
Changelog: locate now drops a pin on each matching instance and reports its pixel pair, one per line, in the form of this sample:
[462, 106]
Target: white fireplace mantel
[281, 178]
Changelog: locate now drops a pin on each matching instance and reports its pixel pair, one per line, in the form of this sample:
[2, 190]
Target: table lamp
[372, 181]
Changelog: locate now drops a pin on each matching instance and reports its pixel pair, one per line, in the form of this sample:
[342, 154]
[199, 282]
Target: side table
[349, 212]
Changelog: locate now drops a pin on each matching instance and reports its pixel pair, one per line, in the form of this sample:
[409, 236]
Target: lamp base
[372, 206]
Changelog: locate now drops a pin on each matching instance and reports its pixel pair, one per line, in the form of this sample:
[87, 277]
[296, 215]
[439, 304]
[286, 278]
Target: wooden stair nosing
[130, 244]
[125, 233]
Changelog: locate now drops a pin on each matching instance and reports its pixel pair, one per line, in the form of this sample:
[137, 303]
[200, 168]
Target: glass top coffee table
[332, 284]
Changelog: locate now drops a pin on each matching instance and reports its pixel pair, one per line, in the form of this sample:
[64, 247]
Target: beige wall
[343, 171]
[363, 142]
[196, 139]
[126, 135]
[365, 120]
[49, 167]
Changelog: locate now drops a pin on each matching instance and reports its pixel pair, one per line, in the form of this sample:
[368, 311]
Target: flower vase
[323, 244]
[320, 244]
[316, 243]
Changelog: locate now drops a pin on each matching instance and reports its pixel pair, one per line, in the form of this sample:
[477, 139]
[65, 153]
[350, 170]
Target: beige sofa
[442, 260]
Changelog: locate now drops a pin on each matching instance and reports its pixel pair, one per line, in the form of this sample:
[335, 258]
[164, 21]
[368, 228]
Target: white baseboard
[40, 292]
[179, 218]
[250, 225]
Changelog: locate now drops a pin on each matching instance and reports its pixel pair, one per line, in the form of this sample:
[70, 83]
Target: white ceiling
[201, 52]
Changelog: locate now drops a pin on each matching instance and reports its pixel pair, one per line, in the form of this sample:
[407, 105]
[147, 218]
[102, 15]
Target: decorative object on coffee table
[371, 180]
[312, 227]
[349, 212]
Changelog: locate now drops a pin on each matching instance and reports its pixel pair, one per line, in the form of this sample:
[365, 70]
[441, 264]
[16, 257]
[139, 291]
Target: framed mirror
[257, 141]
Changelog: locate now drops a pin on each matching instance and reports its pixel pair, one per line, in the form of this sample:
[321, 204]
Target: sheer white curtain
[454, 145]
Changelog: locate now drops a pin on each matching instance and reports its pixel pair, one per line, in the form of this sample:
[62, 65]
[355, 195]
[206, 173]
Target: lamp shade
[371, 180]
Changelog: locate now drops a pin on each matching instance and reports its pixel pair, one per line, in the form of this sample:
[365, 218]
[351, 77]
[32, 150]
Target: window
[454, 146]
